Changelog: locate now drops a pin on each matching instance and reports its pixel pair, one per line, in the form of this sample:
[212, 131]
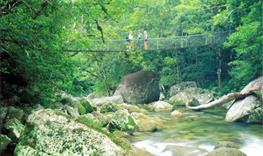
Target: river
[197, 133]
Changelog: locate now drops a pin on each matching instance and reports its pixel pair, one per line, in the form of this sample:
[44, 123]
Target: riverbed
[197, 133]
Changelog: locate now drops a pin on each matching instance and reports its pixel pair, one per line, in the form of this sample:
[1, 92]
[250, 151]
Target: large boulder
[50, 132]
[139, 88]
[250, 108]
[242, 108]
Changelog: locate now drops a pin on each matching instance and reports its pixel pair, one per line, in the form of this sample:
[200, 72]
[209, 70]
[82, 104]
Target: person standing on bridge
[145, 35]
[140, 40]
[130, 39]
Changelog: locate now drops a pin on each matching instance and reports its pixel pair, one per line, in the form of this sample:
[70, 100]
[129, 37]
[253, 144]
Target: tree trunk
[222, 100]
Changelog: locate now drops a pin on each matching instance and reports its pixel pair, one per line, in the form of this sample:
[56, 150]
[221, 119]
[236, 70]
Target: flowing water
[197, 133]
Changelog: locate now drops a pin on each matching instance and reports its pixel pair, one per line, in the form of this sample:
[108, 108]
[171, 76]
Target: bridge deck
[154, 44]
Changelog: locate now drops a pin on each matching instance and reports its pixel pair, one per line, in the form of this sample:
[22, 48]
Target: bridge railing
[175, 42]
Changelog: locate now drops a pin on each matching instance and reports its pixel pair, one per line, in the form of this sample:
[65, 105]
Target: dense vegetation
[33, 34]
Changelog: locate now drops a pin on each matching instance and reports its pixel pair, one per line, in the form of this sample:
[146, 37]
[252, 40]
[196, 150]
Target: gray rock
[92, 96]
[139, 88]
[255, 84]
[15, 128]
[241, 108]
[249, 109]
[72, 111]
[147, 123]
[122, 120]
[14, 112]
[50, 132]
[226, 144]
[3, 113]
[107, 100]
[223, 151]
[196, 95]
[4, 141]
[162, 106]
[175, 89]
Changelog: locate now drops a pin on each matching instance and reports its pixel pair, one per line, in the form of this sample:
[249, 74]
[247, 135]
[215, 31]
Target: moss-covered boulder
[50, 132]
[15, 128]
[4, 141]
[122, 120]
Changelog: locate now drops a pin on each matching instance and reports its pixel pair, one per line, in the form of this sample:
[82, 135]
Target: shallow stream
[197, 133]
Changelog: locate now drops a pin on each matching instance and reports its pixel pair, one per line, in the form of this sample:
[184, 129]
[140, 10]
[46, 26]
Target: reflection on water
[198, 133]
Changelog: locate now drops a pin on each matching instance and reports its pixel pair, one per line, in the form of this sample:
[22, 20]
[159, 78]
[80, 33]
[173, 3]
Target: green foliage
[82, 110]
[95, 124]
[33, 36]
[88, 107]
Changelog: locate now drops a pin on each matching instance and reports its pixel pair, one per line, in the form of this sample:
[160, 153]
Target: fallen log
[224, 99]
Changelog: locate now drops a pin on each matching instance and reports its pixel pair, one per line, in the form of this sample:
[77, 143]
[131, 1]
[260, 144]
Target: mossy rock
[81, 108]
[50, 132]
[84, 106]
[4, 141]
[15, 128]
[108, 108]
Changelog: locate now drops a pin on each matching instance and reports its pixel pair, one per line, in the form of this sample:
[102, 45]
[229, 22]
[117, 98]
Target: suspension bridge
[154, 44]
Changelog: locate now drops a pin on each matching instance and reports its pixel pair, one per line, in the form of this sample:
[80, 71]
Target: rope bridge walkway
[154, 44]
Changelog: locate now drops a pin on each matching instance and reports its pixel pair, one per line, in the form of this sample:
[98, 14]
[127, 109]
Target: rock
[185, 150]
[4, 141]
[50, 132]
[139, 88]
[3, 113]
[162, 106]
[92, 96]
[193, 95]
[162, 96]
[226, 144]
[255, 84]
[107, 100]
[147, 123]
[175, 89]
[241, 108]
[132, 108]
[122, 120]
[176, 114]
[72, 111]
[139, 152]
[249, 109]
[223, 151]
[108, 108]
[15, 128]
[14, 112]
